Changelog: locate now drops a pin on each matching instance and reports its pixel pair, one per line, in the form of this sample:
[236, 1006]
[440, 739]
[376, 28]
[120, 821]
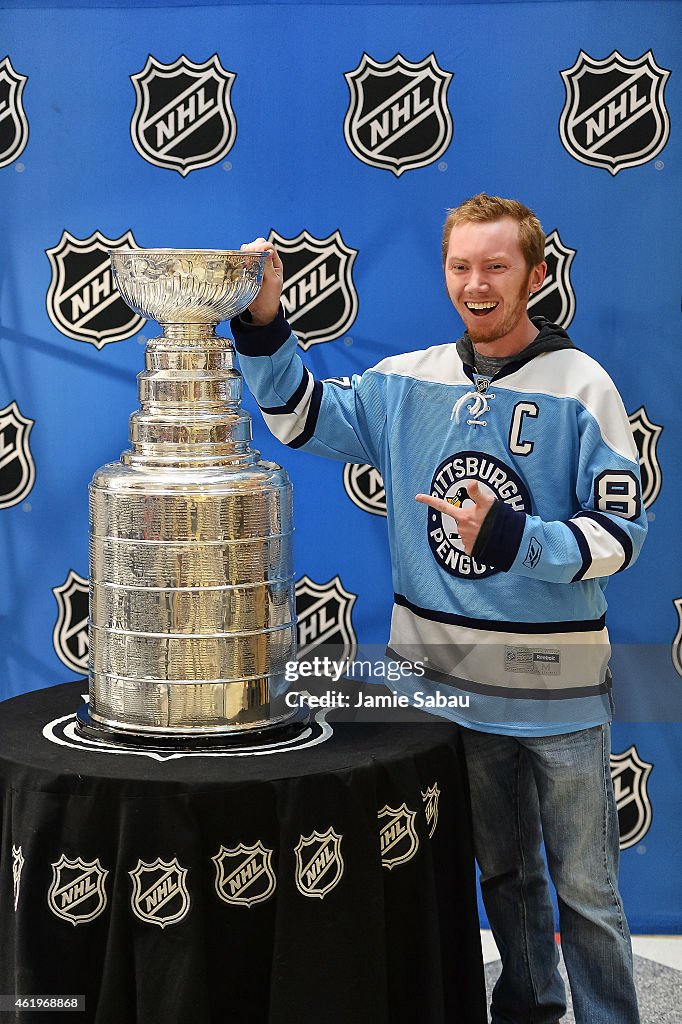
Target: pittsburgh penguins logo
[319, 863]
[615, 114]
[17, 468]
[82, 300]
[183, 119]
[318, 295]
[364, 486]
[160, 893]
[556, 299]
[431, 798]
[323, 611]
[244, 875]
[13, 123]
[646, 434]
[398, 118]
[17, 868]
[77, 893]
[449, 482]
[630, 775]
[70, 634]
[398, 838]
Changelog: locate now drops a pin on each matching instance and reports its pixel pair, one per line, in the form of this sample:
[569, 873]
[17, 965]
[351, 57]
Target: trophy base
[278, 732]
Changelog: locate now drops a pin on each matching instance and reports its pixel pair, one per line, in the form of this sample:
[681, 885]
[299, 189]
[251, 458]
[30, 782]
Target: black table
[329, 882]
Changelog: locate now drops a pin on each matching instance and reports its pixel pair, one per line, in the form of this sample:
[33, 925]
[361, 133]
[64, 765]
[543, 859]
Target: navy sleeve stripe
[252, 340]
[277, 410]
[616, 532]
[503, 539]
[585, 552]
[311, 418]
[504, 626]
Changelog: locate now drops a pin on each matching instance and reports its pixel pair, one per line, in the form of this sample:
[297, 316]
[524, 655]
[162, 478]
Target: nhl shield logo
[13, 123]
[17, 868]
[319, 864]
[183, 119]
[17, 468]
[364, 486]
[431, 798]
[323, 611]
[160, 893]
[82, 301]
[244, 876]
[556, 299]
[677, 642]
[397, 837]
[630, 774]
[70, 634]
[318, 296]
[646, 436]
[77, 893]
[615, 114]
[398, 118]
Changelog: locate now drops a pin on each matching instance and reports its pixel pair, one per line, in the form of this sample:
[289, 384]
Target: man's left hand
[468, 520]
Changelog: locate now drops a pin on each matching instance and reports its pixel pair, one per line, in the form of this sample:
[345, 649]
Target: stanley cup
[192, 606]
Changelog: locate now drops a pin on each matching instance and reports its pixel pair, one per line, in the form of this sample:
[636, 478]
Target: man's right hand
[265, 306]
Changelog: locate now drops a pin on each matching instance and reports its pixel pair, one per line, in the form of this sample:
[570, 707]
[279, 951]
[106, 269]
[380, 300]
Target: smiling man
[520, 448]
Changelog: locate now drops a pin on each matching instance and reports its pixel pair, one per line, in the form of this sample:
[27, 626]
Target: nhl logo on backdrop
[323, 612]
[364, 486]
[183, 119]
[319, 864]
[160, 893]
[244, 875]
[630, 775]
[556, 299]
[676, 651]
[17, 468]
[615, 114]
[398, 838]
[77, 893]
[318, 295]
[13, 123]
[398, 118]
[646, 435]
[70, 634]
[82, 301]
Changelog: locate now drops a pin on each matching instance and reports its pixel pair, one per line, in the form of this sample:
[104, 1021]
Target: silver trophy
[192, 604]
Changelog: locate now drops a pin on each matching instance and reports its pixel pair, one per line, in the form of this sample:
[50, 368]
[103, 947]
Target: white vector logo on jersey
[449, 483]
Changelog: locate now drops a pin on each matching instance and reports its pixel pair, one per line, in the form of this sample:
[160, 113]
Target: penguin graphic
[460, 499]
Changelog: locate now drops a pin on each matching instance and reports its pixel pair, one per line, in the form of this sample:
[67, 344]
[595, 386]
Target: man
[519, 445]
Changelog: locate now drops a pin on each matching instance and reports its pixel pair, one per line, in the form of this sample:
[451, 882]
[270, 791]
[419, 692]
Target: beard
[483, 334]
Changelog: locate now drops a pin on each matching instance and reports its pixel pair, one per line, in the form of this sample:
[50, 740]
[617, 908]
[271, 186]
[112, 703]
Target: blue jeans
[524, 789]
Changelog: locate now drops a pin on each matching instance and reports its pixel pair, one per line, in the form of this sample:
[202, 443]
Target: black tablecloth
[243, 888]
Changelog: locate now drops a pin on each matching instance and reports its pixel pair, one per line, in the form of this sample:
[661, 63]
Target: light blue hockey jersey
[520, 629]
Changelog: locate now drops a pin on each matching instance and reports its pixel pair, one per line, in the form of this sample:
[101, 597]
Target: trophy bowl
[188, 286]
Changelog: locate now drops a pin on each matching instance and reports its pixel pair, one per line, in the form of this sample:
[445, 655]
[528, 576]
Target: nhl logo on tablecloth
[13, 123]
[77, 893]
[431, 798]
[17, 868]
[160, 893]
[398, 839]
[323, 612]
[17, 468]
[70, 634]
[82, 301]
[646, 434]
[244, 875]
[183, 118]
[556, 299]
[615, 114]
[318, 296]
[630, 774]
[398, 118]
[364, 486]
[319, 863]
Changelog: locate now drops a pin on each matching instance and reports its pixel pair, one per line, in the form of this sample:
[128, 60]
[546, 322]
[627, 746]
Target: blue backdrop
[343, 131]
